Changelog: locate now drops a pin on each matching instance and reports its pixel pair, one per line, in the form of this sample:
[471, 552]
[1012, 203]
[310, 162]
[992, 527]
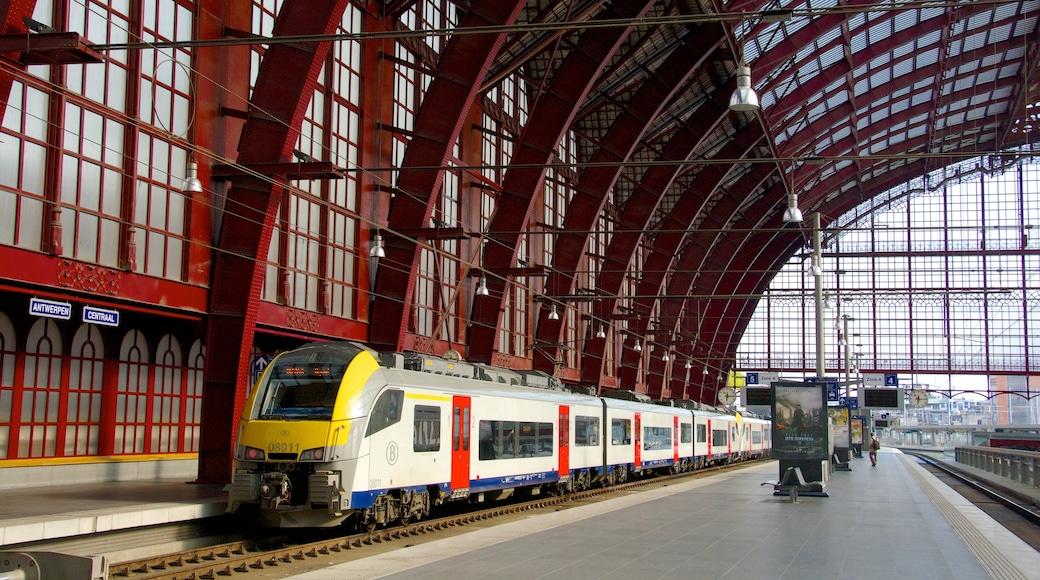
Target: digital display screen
[881, 398]
[757, 396]
[880, 423]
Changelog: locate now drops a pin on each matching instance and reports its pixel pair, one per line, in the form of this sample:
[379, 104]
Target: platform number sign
[751, 379]
[891, 380]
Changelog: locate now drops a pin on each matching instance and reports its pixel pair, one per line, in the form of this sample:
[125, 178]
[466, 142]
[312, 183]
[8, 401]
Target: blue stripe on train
[365, 499]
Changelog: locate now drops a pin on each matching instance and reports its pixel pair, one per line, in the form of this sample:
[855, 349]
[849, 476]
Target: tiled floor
[891, 521]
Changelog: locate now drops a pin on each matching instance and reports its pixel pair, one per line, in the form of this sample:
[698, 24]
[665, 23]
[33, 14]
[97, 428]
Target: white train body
[382, 443]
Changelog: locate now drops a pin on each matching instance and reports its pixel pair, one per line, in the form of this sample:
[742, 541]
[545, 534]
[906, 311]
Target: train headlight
[254, 454]
[316, 454]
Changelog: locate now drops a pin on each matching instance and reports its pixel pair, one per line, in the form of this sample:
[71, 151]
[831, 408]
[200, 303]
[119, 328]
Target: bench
[794, 483]
[839, 465]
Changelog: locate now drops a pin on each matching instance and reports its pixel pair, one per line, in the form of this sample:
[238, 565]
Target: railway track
[243, 557]
[1017, 515]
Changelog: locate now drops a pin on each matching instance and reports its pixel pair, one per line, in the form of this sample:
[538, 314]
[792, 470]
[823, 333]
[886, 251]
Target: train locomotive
[336, 432]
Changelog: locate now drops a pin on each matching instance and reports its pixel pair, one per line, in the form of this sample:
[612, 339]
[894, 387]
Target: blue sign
[831, 385]
[751, 378]
[260, 362]
[891, 380]
[850, 402]
[95, 315]
[50, 308]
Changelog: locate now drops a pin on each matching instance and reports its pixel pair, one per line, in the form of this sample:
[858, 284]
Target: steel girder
[700, 246]
[658, 263]
[550, 118]
[437, 127]
[284, 86]
[12, 13]
[595, 183]
[688, 266]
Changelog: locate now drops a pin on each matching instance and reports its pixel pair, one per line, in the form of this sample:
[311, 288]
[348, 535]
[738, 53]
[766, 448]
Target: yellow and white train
[336, 432]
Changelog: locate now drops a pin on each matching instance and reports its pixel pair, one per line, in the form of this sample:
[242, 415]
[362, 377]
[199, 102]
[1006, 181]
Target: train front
[299, 436]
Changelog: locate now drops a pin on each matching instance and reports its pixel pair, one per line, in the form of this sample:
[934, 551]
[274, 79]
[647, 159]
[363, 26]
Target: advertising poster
[799, 421]
[839, 426]
[857, 431]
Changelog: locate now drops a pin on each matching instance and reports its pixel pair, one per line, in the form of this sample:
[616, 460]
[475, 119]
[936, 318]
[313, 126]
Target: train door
[675, 441]
[710, 450]
[460, 442]
[565, 441]
[637, 440]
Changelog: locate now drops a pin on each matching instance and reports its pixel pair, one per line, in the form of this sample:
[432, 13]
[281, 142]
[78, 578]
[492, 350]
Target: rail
[1017, 465]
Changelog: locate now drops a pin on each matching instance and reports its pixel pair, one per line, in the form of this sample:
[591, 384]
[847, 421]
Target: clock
[918, 397]
[727, 395]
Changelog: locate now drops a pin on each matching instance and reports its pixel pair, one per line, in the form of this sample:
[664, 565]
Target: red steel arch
[286, 81]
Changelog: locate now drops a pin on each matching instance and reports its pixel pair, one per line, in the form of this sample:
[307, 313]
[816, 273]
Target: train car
[336, 432]
[720, 441]
[759, 436]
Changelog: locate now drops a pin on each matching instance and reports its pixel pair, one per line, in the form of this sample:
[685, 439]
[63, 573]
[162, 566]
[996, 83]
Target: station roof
[856, 97]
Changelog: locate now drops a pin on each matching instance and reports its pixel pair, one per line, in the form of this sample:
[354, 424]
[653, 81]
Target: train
[337, 433]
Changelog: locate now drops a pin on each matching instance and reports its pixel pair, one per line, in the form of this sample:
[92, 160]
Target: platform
[895, 520]
[65, 511]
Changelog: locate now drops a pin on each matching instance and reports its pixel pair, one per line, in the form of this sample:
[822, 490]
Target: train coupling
[274, 489]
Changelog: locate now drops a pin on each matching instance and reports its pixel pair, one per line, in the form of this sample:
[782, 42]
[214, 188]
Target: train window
[586, 431]
[756, 437]
[718, 437]
[657, 438]
[427, 433]
[620, 432]
[386, 411]
[465, 430]
[544, 445]
[510, 440]
[456, 417]
[298, 398]
[702, 433]
[685, 433]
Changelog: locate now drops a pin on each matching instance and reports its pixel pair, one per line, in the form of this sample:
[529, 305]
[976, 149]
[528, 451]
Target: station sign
[873, 380]
[891, 380]
[50, 308]
[102, 316]
[831, 386]
[259, 363]
[760, 378]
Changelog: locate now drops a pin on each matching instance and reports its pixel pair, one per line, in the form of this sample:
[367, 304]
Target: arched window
[7, 359]
[193, 396]
[83, 407]
[41, 391]
[132, 398]
[167, 403]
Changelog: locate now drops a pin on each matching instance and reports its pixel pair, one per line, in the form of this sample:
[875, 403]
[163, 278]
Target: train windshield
[297, 390]
[304, 383]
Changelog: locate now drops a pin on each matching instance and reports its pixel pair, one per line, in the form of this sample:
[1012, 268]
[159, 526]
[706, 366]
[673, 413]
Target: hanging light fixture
[600, 333]
[191, 178]
[665, 357]
[705, 370]
[792, 214]
[482, 289]
[744, 97]
[638, 347]
[689, 365]
[376, 251]
[553, 314]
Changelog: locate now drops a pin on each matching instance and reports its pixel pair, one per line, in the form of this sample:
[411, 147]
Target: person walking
[873, 447]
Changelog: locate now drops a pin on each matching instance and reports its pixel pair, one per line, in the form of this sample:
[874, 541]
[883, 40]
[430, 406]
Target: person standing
[872, 448]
